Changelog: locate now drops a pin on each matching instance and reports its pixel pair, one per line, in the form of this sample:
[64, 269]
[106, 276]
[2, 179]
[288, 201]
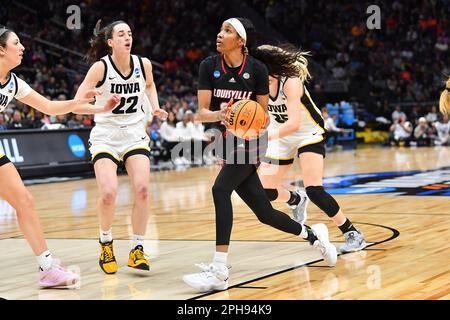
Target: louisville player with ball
[233, 74]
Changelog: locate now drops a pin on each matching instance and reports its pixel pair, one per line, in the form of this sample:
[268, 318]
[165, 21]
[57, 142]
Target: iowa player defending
[297, 129]
[444, 101]
[12, 188]
[120, 136]
[234, 74]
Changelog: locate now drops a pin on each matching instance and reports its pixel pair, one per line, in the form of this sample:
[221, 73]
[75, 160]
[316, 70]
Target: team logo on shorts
[216, 74]
[401, 183]
[246, 76]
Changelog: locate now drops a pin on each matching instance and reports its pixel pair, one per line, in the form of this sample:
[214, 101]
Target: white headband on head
[3, 30]
[239, 27]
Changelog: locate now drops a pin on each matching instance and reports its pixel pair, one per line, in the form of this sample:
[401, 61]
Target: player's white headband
[3, 30]
[239, 27]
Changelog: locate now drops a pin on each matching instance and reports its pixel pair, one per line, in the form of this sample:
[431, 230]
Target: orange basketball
[246, 119]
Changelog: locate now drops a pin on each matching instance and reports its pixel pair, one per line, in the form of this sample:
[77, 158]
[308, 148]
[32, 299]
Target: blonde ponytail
[444, 101]
[302, 66]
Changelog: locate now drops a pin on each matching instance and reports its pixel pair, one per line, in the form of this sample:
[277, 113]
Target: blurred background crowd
[386, 79]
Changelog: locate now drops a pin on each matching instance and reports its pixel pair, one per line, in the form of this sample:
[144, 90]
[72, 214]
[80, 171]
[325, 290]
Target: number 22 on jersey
[126, 105]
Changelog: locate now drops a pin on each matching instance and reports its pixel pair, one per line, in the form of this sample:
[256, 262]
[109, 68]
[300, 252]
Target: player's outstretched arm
[80, 105]
[87, 90]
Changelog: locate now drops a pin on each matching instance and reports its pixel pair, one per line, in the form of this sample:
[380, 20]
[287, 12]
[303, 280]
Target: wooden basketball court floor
[407, 257]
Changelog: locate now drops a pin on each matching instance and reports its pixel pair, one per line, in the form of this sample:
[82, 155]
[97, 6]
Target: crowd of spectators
[406, 60]
[175, 35]
[427, 130]
[379, 67]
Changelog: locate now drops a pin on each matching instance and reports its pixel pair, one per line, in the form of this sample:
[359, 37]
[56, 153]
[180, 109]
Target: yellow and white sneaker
[107, 260]
[137, 259]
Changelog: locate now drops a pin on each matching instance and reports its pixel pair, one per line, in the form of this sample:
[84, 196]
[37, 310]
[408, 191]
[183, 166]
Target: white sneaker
[354, 241]
[299, 211]
[327, 249]
[210, 278]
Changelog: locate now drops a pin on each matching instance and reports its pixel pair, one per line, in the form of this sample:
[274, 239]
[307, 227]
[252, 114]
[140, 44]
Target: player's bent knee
[272, 194]
[108, 196]
[142, 191]
[264, 219]
[220, 190]
[323, 200]
[26, 201]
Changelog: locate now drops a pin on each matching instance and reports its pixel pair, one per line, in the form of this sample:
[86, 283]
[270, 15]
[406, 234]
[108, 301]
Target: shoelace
[139, 254]
[56, 276]
[321, 246]
[205, 267]
[108, 253]
[351, 237]
[211, 268]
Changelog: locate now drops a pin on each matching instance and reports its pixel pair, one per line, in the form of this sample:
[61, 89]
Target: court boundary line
[395, 234]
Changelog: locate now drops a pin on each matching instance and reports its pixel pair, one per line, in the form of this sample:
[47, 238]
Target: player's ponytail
[4, 34]
[284, 61]
[444, 101]
[99, 42]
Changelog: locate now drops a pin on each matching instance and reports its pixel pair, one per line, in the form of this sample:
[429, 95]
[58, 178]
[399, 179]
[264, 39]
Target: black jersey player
[232, 75]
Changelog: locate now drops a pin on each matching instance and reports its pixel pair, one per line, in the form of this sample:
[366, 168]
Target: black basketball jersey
[247, 81]
[243, 82]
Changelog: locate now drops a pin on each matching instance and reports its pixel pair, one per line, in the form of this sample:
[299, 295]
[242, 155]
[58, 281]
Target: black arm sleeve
[205, 74]
[261, 79]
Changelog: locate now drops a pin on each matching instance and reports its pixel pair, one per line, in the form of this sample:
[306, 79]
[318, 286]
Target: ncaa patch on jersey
[246, 76]
[11, 87]
[401, 183]
[216, 74]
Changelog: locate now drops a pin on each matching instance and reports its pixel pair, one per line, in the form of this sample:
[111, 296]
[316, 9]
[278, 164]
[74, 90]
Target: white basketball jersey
[311, 118]
[131, 88]
[13, 88]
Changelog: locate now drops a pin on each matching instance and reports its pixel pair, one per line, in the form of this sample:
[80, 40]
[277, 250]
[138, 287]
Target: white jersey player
[120, 136]
[121, 133]
[297, 129]
[283, 150]
[12, 188]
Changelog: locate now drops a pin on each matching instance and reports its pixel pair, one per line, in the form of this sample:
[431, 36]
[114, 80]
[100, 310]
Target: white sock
[44, 260]
[220, 259]
[106, 236]
[304, 233]
[137, 241]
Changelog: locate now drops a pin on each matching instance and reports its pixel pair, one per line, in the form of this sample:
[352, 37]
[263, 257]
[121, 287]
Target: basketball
[246, 119]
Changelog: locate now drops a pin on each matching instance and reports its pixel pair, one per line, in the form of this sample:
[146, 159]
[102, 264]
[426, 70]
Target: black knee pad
[272, 194]
[323, 200]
